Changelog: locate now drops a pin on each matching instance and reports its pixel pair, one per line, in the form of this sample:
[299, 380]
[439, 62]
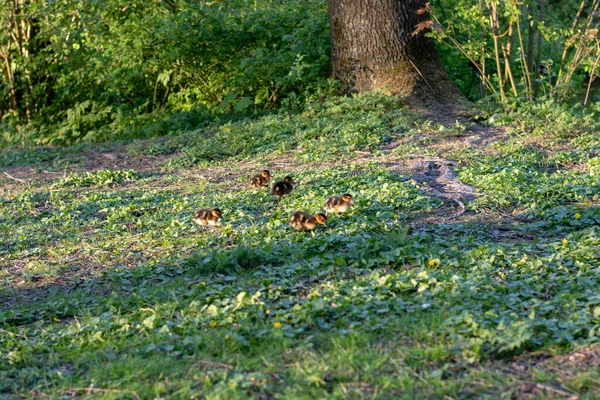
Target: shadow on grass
[304, 255]
[385, 284]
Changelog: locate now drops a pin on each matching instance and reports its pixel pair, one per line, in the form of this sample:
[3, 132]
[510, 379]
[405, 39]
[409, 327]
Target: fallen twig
[544, 295]
[571, 396]
[461, 205]
[13, 334]
[16, 179]
[550, 286]
[207, 363]
[421, 75]
[89, 390]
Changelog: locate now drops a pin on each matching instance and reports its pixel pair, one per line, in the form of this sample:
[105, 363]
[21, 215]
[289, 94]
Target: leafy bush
[102, 64]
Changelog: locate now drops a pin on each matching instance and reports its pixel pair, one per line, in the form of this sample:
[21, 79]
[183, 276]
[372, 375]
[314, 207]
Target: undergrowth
[106, 281]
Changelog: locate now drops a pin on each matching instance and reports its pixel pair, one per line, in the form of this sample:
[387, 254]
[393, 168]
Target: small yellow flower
[267, 312]
[574, 182]
[543, 213]
[442, 203]
[424, 183]
[227, 129]
[577, 216]
[277, 325]
[565, 241]
[566, 182]
[213, 324]
[203, 283]
[431, 263]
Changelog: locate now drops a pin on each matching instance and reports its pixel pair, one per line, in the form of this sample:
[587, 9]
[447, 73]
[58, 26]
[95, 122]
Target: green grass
[106, 281]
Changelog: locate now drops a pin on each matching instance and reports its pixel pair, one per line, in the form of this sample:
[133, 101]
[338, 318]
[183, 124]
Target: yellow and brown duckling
[208, 217]
[304, 221]
[338, 204]
[261, 180]
[283, 187]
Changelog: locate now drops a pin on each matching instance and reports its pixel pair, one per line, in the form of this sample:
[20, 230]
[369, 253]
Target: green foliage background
[90, 65]
[88, 70]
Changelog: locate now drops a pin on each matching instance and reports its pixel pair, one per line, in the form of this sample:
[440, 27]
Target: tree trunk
[374, 48]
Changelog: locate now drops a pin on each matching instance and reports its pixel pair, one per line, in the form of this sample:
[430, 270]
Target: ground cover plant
[108, 289]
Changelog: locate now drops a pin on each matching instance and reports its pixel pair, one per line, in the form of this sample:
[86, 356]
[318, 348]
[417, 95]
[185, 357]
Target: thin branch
[587, 93]
[568, 44]
[495, 26]
[89, 390]
[16, 179]
[462, 50]
[419, 72]
[461, 205]
[208, 363]
[13, 334]
[523, 57]
[547, 388]
[538, 58]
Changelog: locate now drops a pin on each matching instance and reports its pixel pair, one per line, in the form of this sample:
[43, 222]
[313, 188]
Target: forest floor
[469, 266]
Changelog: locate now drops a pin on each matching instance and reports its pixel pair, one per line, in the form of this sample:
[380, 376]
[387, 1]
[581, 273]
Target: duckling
[283, 187]
[338, 204]
[304, 221]
[261, 180]
[208, 217]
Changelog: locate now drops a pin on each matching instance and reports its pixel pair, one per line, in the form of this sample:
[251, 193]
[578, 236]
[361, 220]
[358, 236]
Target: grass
[108, 289]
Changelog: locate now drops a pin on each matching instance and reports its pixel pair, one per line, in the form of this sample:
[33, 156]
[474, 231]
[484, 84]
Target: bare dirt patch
[436, 178]
[90, 160]
[565, 376]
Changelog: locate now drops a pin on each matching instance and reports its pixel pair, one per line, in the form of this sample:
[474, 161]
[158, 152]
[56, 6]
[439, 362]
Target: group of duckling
[299, 220]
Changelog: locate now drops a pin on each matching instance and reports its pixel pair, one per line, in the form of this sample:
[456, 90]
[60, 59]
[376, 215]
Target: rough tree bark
[373, 48]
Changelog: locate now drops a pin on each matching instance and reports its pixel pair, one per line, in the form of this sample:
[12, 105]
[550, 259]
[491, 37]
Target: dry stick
[577, 60]
[459, 47]
[483, 65]
[483, 69]
[550, 286]
[419, 72]
[587, 93]
[458, 214]
[92, 389]
[538, 58]
[507, 53]
[557, 391]
[530, 39]
[13, 334]
[208, 363]
[544, 295]
[590, 17]
[523, 58]
[567, 43]
[493, 19]
[16, 179]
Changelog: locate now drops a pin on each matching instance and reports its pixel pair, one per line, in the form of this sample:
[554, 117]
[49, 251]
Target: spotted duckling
[208, 217]
[304, 221]
[338, 204]
[283, 187]
[261, 180]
